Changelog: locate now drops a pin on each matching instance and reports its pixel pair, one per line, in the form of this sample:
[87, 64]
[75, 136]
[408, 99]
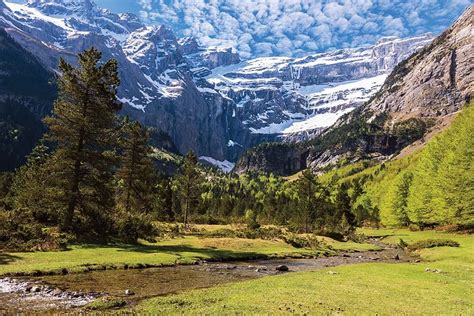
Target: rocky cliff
[432, 84]
[206, 98]
[27, 92]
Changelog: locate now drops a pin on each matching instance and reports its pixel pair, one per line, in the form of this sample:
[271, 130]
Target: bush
[18, 232]
[431, 243]
[402, 244]
[251, 220]
[131, 227]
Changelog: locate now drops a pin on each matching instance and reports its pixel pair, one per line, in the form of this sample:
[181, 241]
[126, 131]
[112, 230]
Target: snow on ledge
[225, 165]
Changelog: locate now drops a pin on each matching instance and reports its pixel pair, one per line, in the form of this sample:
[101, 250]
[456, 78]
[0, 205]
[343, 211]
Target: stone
[56, 292]
[397, 257]
[282, 268]
[129, 292]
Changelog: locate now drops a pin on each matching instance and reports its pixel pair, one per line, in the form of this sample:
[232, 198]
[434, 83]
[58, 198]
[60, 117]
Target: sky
[293, 27]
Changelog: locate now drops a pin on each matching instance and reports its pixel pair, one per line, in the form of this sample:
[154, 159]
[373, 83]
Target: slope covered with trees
[433, 186]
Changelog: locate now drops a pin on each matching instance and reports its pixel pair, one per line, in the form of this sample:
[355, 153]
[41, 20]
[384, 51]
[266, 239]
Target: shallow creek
[70, 292]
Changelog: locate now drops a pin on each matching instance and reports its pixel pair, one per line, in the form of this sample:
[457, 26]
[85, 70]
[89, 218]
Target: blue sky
[293, 27]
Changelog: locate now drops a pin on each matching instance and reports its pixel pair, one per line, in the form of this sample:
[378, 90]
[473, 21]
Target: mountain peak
[61, 7]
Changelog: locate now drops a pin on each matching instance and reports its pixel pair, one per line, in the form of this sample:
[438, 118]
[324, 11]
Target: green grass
[179, 250]
[371, 288]
[183, 250]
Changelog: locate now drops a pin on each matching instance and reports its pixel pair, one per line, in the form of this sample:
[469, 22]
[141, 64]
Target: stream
[60, 293]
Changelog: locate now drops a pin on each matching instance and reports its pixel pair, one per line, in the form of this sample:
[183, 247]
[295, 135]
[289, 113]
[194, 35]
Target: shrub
[251, 220]
[402, 244]
[18, 232]
[308, 241]
[431, 243]
[131, 227]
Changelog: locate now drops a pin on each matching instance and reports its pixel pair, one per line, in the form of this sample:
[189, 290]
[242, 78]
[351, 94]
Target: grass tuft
[431, 243]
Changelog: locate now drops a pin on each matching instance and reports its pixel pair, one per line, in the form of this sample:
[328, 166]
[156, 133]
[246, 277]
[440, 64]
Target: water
[76, 290]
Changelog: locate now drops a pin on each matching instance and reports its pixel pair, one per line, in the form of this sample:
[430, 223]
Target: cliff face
[206, 98]
[278, 158]
[415, 98]
[434, 82]
[27, 93]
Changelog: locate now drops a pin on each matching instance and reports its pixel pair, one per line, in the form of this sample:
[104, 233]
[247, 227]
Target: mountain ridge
[169, 83]
[413, 100]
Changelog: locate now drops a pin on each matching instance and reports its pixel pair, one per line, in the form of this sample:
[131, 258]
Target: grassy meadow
[180, 250]
[370, 288]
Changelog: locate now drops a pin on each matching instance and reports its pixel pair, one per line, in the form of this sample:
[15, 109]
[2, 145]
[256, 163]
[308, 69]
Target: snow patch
[225, 165]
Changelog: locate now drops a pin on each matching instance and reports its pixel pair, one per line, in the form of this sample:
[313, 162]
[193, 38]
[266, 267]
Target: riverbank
[442, 283]
[181, 250]
[120, 288]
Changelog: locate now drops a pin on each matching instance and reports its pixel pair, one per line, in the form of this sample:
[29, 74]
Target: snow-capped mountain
[300, 97]
[206, 99]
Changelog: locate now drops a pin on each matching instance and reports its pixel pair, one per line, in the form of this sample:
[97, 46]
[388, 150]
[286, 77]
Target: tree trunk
[67, 226]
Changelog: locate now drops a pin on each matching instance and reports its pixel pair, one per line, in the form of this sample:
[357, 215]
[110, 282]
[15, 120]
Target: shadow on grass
[6, 258]
[180, 250]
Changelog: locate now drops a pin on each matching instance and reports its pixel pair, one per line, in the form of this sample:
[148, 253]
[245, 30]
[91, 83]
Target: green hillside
[431, 186]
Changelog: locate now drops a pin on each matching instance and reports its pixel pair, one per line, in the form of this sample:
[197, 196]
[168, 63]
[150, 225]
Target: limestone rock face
[281, 159]
[434, 82]
[207, 99]
[418, 95]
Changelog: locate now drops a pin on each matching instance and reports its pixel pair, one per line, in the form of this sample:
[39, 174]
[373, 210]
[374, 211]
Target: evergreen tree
[28, 187]
[312, 201]
[163, 200]
[343, 214]
[188, 186]
[83, 129]
[399, 204]
[136, 173]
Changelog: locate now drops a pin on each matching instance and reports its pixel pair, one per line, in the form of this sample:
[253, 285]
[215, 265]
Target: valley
[146, 170]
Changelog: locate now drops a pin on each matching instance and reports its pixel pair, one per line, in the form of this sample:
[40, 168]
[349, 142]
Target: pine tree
[29, 184]
[188, 186]
[136, 174]
[312, 203]
[343, 216]
[399, 204]
[83, 129]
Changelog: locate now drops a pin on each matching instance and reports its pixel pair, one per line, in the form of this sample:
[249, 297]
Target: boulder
[282, 268]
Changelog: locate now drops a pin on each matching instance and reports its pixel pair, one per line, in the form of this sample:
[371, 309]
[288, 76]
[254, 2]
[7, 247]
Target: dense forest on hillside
[94, 177]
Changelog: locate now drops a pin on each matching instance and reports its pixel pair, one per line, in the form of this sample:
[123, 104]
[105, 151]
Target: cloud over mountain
[296, 27]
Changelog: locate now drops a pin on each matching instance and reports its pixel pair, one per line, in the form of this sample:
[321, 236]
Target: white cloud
[292, 27]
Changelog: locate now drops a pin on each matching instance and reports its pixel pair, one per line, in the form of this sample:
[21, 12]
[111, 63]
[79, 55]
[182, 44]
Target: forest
[93, 178]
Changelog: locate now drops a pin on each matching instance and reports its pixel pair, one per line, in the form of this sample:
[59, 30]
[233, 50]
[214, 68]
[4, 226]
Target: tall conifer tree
[189, 186]
[136, 173]
[83, 129]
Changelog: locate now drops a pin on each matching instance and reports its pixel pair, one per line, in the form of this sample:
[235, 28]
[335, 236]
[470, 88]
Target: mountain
[297, 98]
[205, 98]
[27, 92]
[417, 98]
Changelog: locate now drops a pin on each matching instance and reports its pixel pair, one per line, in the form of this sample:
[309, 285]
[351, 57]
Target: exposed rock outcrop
[433, 83]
